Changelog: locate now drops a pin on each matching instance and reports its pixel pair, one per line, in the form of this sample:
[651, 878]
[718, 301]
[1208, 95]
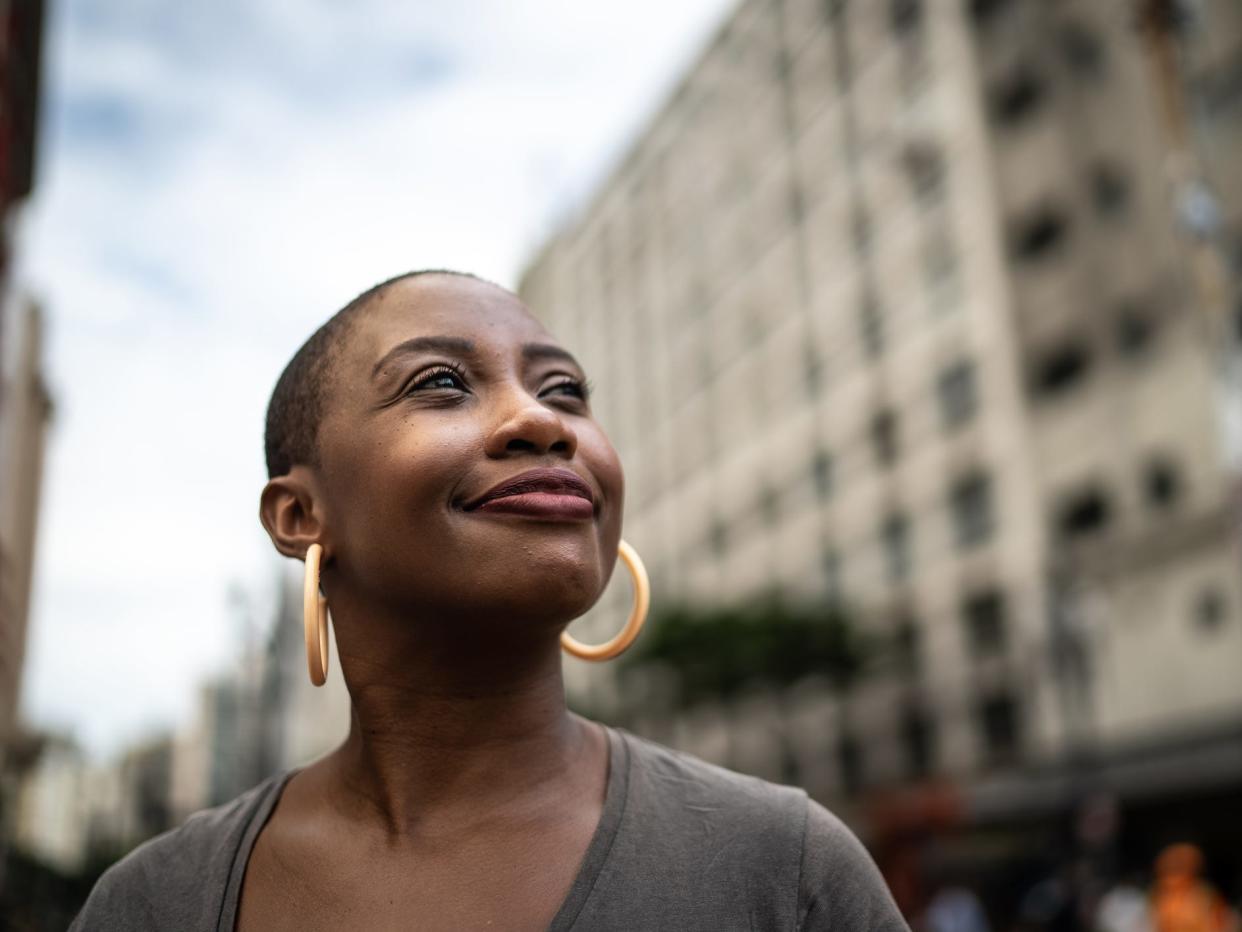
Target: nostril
[517, 444]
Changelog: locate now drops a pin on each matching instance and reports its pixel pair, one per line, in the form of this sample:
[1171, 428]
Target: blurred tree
[715, 653]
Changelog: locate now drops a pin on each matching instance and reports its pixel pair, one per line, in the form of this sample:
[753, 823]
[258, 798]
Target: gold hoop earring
[315, 618]
[638, 614]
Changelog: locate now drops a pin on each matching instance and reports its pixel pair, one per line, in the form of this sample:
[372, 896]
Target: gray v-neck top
[681, 844]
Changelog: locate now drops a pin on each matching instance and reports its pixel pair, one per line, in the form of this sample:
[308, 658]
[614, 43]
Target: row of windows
[972, 513]
[997, 724]
[1044, 230]
[1061, 367]
[1088, 511]
[957, 396]
[1079, 47]
[985, 631]
[1022, 91]
[997, 715]
[970, 502]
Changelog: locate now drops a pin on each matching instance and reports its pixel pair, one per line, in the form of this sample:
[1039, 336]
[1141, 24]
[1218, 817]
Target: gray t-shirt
[681, 845]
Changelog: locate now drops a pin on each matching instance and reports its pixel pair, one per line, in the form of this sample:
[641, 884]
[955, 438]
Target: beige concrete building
[25, 410]
[890, 302]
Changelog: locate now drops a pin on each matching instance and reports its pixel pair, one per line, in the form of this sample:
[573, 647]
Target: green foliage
[715, 652]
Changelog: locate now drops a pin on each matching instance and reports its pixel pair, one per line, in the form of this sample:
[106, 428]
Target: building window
[861, 229]
[1210, 612]
[905, 16]
[971, 504]
[871, 323]
[830, 561]
[769, 504]
[984, 12]
[895, 535]
[940, 266]
[1161, 484]
[917, 741]
[1016, 97]
[821, 474]
[984, 617]
[925, 168]
[1039, 234]
[1084, 513]
[998, 727]
[850, 760]
[956, 391]
[812, 371]
[907, 649]
[1134, 330]
[797, 202]
[1110, 189]
[1081, 50]
[1060, 369]
[884, 437]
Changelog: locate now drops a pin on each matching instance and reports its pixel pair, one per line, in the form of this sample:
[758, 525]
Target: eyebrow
[450, 345]
[532, 352]
[459, 346]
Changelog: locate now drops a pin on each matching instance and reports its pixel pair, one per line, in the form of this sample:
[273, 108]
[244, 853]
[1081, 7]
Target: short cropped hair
[298, 401]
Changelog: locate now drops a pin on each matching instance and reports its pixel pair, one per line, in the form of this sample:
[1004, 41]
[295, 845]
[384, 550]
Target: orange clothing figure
[1181, 901]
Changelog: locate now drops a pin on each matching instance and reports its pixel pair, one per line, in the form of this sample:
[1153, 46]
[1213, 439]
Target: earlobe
[286, 509]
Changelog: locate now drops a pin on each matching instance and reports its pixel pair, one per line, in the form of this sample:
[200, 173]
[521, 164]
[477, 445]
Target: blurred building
[25, 409]
[52, 819]
[305, 721]
[260, 717]
[24, 402]
[899, 303]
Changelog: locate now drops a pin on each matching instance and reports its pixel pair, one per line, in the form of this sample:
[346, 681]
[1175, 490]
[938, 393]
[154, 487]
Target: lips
[538, 490]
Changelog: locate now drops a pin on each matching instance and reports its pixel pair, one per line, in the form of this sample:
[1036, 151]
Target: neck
[447, 726]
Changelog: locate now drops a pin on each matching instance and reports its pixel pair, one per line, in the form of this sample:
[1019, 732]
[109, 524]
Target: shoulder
[714, 849]
[840, 886]
[177, 879]
[674, 780]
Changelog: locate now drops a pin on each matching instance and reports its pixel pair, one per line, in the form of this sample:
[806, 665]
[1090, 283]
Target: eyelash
[430, 375]
[582, 387]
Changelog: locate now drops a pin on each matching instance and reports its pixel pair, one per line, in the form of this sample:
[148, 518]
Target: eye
[574, 388]
[437, 378]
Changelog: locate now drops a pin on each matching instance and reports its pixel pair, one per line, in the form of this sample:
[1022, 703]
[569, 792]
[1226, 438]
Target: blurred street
[918, 327]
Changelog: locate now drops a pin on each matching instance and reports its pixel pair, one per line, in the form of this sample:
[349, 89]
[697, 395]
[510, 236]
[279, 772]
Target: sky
[214, 181]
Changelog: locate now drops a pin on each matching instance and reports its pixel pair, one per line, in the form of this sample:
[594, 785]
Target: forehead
[444, 305]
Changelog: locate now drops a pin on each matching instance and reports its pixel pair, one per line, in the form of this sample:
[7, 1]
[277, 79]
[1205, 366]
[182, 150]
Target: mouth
[550, 494]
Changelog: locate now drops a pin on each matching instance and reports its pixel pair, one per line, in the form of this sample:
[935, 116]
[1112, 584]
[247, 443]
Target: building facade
[892, 303]
[25, 407]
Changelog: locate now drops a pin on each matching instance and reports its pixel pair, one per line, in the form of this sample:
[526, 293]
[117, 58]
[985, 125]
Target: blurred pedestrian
[1181, 900]
[955, 909]
[1124, 908]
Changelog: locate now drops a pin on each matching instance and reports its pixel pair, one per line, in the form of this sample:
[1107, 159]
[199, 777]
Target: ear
[287, 508]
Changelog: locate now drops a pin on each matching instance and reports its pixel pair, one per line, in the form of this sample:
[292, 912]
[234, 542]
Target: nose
[526, 425]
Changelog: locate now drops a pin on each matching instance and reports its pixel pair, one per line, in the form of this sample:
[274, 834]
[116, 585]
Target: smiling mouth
[548, 505]
[548, 494]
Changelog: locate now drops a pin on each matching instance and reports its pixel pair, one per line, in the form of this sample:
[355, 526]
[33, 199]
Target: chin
[559, 597]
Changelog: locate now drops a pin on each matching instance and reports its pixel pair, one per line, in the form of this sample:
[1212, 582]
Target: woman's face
[445, 391]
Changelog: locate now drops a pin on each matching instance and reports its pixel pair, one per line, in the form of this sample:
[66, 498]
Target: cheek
[596, 449]
[398, 484]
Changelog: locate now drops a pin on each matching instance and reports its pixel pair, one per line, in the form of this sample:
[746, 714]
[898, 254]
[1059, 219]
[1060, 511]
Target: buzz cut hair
[299, 399]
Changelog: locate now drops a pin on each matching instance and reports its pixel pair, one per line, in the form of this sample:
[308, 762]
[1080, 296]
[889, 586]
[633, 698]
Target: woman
[432, 449]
